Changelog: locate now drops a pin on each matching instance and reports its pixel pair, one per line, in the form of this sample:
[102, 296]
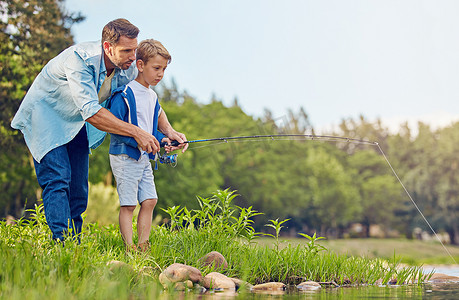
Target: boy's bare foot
[131, 248]
[144, 247]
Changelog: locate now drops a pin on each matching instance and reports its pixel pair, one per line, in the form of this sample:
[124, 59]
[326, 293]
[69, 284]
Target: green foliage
[277, 226]
[103, 204]
[33, 266]
[216, 215]
[335, 199]
[311, 246]
[31, 33]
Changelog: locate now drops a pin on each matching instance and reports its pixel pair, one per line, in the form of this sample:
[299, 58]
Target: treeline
[322, 186]
[319, 185]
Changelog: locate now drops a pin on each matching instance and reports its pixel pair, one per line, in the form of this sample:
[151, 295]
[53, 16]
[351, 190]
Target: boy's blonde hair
[150, 48]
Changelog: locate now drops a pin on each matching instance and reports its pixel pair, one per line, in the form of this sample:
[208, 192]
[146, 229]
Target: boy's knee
[149, 203]
[129, 209]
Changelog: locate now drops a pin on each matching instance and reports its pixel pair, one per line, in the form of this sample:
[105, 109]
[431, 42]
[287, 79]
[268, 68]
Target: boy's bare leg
[125, 220]
[144, 220]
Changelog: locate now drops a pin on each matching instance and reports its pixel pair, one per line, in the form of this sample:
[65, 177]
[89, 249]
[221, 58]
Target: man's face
[122, 54]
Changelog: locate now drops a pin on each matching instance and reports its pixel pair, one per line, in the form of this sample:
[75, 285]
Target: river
[451, 270]
[430, 290]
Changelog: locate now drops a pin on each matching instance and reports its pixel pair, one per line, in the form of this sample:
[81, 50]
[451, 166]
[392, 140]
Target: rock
[216, 280]
[309, 286]
[165, 282]
[10, 220]
[180, 272]
[269, 286]
[214, 259]
[241, 284]
[443, 278]
[182, 286]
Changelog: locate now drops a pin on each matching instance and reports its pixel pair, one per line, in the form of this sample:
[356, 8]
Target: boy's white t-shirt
[145, 99]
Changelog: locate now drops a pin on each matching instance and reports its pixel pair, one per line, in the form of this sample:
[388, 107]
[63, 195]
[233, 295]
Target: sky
[397, 60]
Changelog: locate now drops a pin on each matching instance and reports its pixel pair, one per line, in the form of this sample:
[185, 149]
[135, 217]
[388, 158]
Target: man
[70, 91]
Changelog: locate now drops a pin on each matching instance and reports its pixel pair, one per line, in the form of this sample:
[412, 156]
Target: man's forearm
[106, 121]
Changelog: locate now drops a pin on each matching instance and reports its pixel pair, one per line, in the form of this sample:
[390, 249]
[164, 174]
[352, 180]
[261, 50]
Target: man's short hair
[150, 48]
[117, 28]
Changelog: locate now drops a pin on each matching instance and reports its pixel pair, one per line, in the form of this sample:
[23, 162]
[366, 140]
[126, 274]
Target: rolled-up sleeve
[82, 80]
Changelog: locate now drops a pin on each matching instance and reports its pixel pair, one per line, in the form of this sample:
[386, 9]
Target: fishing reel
[168, 159]
[165, 158]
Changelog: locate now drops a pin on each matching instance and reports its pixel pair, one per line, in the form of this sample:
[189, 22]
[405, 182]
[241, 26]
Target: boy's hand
[167, 144]
[179, 137]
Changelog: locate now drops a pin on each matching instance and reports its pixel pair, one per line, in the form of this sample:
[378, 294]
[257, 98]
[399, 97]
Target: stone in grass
[215, 259]
[308, 286]
[179, 273]
[216, 280]
[241, 284]
[182, 286]
[269, 286]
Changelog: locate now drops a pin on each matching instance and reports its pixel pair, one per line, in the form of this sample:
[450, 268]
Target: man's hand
[146, 141]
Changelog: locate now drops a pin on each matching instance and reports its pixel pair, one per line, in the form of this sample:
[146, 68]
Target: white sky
[393, 59]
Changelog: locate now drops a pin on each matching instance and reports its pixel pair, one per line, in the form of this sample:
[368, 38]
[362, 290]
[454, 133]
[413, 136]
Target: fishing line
[414, 203]
[325, 138]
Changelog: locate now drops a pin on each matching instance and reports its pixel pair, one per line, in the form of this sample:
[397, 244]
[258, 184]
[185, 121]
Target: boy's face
[152, 72]
[121, 55]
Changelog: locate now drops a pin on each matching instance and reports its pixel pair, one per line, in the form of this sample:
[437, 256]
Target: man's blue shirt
[63, 96]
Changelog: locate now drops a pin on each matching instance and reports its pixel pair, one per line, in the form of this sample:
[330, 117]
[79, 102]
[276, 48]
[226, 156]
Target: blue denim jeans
[63, 176]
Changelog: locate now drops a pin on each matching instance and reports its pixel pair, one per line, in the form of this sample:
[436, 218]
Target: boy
[137, 104]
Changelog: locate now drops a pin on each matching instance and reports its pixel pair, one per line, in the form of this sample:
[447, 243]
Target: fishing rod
[275, 137]
[172, 159]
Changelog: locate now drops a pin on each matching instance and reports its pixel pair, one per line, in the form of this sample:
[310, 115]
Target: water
[426, 291]
[451, 270]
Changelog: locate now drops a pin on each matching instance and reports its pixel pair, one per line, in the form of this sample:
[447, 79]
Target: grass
[412, 252]
[33, 266]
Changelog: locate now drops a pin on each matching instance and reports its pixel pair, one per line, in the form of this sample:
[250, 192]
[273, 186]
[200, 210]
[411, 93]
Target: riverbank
[88, 267]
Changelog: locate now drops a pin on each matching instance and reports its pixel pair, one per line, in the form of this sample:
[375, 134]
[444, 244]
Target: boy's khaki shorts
[134, 179]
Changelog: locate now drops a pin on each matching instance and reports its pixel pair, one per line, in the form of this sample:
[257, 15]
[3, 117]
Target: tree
[336, 201]
[381, 194]
[31, 33]
[446, 160]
